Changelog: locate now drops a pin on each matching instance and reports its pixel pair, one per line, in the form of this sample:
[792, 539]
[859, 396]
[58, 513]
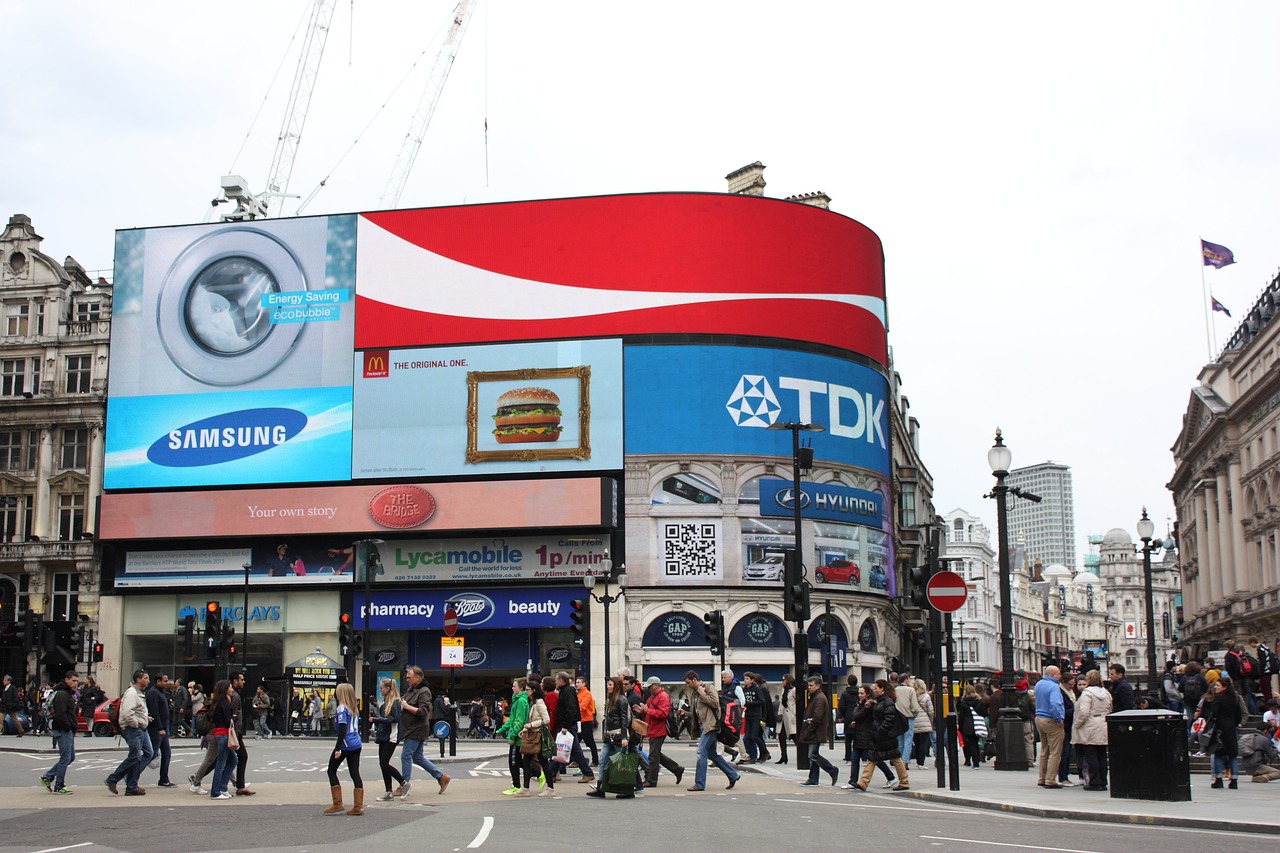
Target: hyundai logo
[786, 498]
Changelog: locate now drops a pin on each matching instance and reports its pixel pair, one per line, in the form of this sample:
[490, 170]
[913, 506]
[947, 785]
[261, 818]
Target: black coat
[863, 718]
[847, 704]
[1223, 713]
[754, 712]
[886, 742]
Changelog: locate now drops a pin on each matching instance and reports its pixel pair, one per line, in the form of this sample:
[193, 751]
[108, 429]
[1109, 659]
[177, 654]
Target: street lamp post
[964, 652]
[1146, 532]
[589, 581]
[370, 566]
[801, 639]
[1010, 747]
[244, 632]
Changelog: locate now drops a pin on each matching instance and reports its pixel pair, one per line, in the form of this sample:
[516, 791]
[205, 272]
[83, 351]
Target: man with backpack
[1242, 668]
[705, 713]
[131, 718]
[1266, 667]
[62, 721]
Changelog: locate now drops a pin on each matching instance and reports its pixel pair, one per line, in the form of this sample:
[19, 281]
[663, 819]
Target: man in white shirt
[133, 726]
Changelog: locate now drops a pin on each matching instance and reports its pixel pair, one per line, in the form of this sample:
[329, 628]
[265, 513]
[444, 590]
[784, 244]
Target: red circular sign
[450, 622]
[946, 592]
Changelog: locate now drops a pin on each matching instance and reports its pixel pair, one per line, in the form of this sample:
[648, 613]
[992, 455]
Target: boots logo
[753, 403]
[473, 609]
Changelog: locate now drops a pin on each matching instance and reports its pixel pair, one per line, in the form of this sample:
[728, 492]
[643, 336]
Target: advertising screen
[485, 410]
[721, 399]
[231, 354]
[298, 562]
[671, 263]
[360, 510]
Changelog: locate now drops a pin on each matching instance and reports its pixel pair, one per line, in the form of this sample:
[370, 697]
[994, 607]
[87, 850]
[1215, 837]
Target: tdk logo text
[226, 437]
[850, 413]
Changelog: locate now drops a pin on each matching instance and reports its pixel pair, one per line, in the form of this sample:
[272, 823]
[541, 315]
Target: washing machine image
[237, 306]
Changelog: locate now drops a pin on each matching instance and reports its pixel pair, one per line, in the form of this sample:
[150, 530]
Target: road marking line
[483, 835]
[932, 807]
[482, 765]
[68, 847]
[1005, 844]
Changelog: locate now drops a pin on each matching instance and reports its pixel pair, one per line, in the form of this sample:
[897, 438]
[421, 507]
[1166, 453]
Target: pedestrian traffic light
[189, 635]
[78, 637]
[344, 634]
[795, 589]
[714, 622]
[231, 651]
[28, 627]
[228, 635]
[212, 628]
[48, 638]
[357, 644]
[97, 652]
[578, 616]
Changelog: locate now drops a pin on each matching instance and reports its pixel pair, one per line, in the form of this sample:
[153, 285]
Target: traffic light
[357, 644]
[714, 622]
[97, 652]
[229, 637]
[231, 651]
[48, 638]
[578, 616]
[189, 635]
[344, 634]
[795, 589]
[28, 627]
[78, 637]
[919, 580]
[212, 628]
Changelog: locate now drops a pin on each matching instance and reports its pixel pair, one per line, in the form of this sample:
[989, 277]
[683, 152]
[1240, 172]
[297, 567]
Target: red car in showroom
[838, 571]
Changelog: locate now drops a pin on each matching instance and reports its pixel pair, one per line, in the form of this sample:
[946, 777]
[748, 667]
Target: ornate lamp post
[1146, 530]
[1011, 751]
[606, 575]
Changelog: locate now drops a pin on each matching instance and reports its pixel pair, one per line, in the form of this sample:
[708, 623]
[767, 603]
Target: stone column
[44, 465]
[95, 478]
[1213, 547]
[1238, 512]
[1202, 595]
[1226, 557]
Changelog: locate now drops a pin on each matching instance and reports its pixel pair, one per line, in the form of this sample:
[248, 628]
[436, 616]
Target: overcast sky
[1040, 174]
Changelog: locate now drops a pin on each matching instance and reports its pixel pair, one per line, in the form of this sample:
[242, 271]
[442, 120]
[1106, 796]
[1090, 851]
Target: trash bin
[1147, 754]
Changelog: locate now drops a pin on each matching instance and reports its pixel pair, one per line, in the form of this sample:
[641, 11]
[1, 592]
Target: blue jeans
[1222, 762]
[817, 761]
[906, 739]
[66, 743]
[263, 729]
[708, 751]
[139, 757]
[411, 754]
[222, 767]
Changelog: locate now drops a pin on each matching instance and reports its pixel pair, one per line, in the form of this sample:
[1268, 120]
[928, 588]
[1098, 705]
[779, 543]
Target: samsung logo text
[226, 437]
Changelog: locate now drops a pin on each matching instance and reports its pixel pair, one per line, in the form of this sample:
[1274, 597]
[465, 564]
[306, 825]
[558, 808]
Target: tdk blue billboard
[721, 399]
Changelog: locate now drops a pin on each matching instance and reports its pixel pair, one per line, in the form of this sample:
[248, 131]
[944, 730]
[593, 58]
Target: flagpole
[1204, 299]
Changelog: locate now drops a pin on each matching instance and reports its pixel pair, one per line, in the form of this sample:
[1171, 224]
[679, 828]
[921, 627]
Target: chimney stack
[749, 180]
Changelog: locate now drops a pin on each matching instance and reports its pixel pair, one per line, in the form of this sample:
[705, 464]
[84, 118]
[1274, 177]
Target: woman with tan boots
[346, 749]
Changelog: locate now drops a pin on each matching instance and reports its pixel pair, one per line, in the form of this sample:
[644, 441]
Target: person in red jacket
[656, 710]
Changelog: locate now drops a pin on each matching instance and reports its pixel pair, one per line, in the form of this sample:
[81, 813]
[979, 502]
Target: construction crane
[426, 106]
[234, 187]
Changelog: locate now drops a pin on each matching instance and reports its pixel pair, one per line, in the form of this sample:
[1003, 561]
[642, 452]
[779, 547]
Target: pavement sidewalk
[1252, 808]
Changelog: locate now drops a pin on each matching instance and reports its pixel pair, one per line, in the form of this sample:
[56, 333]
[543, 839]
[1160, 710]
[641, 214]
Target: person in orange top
[587, 705]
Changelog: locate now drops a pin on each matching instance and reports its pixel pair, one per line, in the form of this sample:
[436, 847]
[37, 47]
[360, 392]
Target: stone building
[53, 370]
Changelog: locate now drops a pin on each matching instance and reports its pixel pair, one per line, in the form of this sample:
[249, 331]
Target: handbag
[548, 743]
[530, 741]
[620, 775]
[639, 727]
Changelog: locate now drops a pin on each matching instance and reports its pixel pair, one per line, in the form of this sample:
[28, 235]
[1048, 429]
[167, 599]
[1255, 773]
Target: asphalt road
[762, 813]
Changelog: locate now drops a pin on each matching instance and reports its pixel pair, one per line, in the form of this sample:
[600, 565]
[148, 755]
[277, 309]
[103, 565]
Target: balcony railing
[62, 550]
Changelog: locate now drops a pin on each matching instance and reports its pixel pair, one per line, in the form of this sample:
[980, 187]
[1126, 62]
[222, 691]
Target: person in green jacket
[517, 716]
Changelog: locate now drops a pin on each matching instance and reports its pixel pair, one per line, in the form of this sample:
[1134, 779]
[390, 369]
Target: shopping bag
[564, 747]
[619, 776]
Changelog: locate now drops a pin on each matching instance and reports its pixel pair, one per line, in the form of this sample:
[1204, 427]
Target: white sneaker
[385, 797]
[892, 783]
[1067, 783]
[223, 796]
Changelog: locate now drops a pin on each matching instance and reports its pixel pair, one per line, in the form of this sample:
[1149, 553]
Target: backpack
[1247, 664]
[770, 712]
[113, 715]
[731, 722]
[203, 721]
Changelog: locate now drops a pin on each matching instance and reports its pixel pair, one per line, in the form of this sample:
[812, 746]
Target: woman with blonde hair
[346, 749]
[387, 719]
[1089, 731]
[922, 740]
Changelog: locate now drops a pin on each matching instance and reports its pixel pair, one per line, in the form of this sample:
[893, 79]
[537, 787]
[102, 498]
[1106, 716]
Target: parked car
[22, 718]
[878, 579]
[767, 568]
[101, 722]
[838, 571]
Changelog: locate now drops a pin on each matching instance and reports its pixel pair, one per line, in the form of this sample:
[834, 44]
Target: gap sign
[946, 592]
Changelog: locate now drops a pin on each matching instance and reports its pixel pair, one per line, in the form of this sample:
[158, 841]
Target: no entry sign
[946, 592]
[450, 622]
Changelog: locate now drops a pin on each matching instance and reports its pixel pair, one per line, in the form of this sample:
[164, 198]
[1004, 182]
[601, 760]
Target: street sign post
[452, 652]
[946, 592]
[450, 622]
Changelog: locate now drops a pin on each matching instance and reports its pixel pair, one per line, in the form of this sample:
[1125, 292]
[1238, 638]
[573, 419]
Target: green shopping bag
[619, 776]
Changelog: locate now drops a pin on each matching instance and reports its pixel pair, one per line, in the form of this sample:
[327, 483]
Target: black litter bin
[1147, 754]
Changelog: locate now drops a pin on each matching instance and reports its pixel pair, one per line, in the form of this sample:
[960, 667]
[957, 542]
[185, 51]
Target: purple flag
[1218, 306]
[1216, 256]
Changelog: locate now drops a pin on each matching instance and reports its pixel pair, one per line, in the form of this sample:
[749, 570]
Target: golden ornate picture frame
[527, 374]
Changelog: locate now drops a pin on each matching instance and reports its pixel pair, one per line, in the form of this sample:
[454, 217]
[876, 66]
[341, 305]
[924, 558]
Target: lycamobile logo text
[226, 437]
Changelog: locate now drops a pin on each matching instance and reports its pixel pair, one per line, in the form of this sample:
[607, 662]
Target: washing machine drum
[213, 312]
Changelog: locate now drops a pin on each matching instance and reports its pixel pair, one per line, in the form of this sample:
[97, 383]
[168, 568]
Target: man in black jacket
[1121, 691]
[568, 716]
[845, 707]
[160, 728]
[62, 722]
[11, 704]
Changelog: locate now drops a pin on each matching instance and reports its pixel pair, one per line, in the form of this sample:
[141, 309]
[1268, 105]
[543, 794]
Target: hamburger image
[527, 415]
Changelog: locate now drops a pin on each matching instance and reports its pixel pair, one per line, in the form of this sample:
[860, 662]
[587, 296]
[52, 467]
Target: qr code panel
[689, 550]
